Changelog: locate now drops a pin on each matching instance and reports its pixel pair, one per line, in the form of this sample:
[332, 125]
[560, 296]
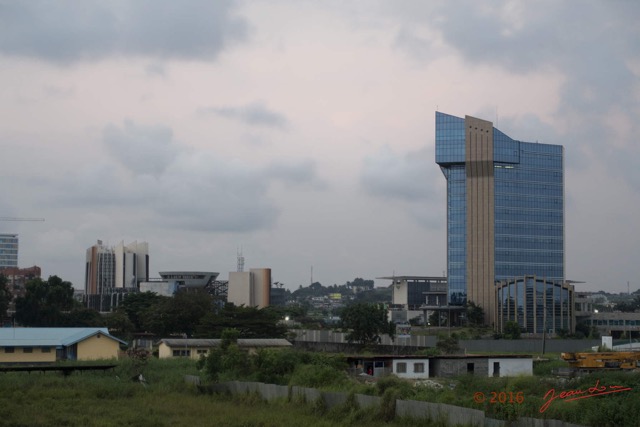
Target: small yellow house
[194, 348]
[48, 345]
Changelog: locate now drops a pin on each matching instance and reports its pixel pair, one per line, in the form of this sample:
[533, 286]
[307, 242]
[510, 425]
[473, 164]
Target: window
[401, 368]
[181, 353]
[27, 350]
[46, 349]
[418, 368]
[201, 351]
[9, 350]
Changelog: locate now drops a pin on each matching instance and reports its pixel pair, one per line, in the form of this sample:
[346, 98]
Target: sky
[302, 132]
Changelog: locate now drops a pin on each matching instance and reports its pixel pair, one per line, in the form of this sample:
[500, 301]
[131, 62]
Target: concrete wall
[511, 367]
[447, 414]
[453, 367]
[239, 291]
[411, 371]
[36, 355]
[98, 347]
[261, 287]
[533, 346]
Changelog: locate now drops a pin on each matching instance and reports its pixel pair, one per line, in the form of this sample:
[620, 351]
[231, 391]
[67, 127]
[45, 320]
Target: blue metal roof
[49, 337]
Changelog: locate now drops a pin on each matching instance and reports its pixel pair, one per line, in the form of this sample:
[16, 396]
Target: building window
[181, 353]
[9, 350]
[27, 350]
[201, 351]
[401, 368]
[418, 368]
[45, 349]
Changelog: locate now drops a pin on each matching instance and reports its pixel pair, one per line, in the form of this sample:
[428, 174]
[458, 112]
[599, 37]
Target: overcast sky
[303, 131]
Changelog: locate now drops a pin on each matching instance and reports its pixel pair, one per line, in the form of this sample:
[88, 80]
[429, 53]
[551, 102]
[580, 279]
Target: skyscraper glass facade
[8, 250]
[526, 205]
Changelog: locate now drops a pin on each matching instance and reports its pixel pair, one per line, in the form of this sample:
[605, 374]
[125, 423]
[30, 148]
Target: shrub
[317, 376]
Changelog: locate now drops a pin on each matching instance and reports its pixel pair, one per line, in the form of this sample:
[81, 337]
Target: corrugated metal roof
[242, 342]
[48, 337]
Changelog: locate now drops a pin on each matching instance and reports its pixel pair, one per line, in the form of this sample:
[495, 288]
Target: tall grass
[112, 398]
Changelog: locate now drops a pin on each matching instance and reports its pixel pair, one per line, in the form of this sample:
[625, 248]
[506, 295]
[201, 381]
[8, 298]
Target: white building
[172, 281]
[252, 288]
[116, 268]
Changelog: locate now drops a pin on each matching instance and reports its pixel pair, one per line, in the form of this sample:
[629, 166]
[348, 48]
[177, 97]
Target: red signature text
[596, 390]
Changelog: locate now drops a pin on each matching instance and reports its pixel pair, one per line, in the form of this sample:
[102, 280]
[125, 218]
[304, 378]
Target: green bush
[318, 376]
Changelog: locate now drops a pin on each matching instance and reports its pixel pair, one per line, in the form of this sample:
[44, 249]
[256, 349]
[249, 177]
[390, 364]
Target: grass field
[113, 399]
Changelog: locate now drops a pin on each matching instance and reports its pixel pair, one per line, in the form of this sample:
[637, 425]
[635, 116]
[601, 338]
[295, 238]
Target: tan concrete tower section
[480, 275]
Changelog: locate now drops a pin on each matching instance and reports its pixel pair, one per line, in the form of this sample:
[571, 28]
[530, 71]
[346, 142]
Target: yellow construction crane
[611, 360]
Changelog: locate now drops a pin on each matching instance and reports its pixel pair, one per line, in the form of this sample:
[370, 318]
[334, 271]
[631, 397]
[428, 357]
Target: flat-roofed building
[250, 288]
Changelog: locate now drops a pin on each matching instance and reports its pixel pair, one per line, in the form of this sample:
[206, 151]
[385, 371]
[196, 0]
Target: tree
[448, 345]
[135, 304]
[83, 317]
[5, 295]
[475, 314]
[366, 322]
[361, 284]
[119, 324]
[45, 303]
[177, 315]
[629, 306]
[512, 330]
[251, 322]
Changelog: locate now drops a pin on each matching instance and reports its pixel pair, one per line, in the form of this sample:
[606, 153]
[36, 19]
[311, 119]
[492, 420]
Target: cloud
[162, 183]
[66, 31]
[594, 51]
[302, 173]
[255, 114]
[408, 182]
[142, 150]
[396, 176]
[205, 193]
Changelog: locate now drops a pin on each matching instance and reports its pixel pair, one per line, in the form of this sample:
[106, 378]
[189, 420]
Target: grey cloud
[390, 175]
[302, 173]
[65, 31]
[204, 193]
[412, 178]
[142, 150]
[591, 49]
[256, 114]
[188, 190]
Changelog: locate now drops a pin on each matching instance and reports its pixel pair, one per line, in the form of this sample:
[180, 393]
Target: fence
[329, 340]
[452, 415]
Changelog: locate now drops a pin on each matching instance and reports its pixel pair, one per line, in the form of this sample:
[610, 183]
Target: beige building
[49, 345]
[195, 348]
[116, 268]
[251, 289]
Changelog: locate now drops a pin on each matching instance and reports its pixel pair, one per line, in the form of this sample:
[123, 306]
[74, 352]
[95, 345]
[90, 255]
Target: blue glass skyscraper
[505, 209]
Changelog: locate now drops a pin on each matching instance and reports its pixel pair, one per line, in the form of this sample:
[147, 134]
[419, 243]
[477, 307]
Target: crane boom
[10, 218]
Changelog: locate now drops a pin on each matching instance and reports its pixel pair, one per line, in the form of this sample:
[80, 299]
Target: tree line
[50, 303]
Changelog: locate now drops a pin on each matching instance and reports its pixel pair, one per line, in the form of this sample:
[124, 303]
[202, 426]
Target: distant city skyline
[303, 132]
